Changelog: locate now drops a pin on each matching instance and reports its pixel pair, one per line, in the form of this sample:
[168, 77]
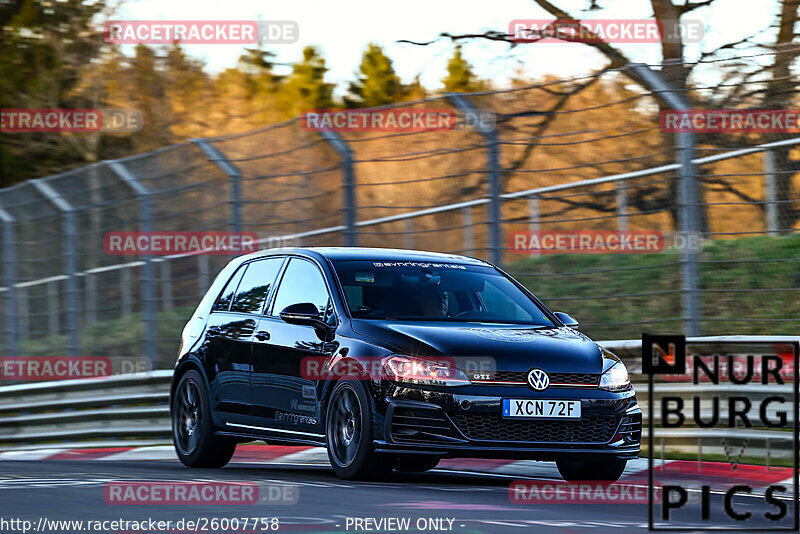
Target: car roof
[364, 253]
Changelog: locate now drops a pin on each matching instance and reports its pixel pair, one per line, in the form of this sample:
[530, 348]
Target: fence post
[688, 197]
[90, 286]
[534, 216]
[469, 236]
[341, 147]
[24, 324]
[770, 194]
[148, 278]
[203, 270]
[166, 285]
[408, 235]
[52, 308]
[699, 454]
[125, 291]
[622, 207]
[70, 259]
[10, 280]
[234, 178]
[493, 170]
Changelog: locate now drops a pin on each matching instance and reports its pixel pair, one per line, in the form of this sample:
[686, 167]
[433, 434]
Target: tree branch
[689, 6]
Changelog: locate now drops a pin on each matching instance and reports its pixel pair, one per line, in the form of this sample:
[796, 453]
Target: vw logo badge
[538, 379]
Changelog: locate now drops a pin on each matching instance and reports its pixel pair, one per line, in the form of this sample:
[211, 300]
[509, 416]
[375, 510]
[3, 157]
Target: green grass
[614, 296]
[119, 337]
[617, 296]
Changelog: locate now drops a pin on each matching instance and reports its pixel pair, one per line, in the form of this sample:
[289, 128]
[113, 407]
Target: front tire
[609, 469]
[192, 427]
[349, 433]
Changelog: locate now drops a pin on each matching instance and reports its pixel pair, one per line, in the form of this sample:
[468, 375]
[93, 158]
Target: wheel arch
[184, 366]
[357, 369]
[354, 367]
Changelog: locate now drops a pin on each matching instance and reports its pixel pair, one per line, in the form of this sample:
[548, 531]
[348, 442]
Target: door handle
[262, 336]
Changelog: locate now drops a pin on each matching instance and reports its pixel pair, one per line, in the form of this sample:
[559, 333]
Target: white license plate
[542, 409]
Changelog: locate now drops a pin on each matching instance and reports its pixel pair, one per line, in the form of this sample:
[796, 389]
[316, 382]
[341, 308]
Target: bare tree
[750, 83]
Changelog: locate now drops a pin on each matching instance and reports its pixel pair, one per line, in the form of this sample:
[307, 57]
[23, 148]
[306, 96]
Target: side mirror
[304, 313]
[568, 320]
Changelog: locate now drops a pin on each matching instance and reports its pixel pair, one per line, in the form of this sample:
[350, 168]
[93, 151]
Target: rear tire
[192, 427]
[609, 469]
[409, 463]
[349, 433]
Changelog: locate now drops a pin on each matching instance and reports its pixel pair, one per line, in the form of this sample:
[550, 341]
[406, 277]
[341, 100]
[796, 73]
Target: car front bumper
[469, 424]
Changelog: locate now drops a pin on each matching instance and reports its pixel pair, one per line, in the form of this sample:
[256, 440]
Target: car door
[227, 357]
[232, 331]
[284, 394]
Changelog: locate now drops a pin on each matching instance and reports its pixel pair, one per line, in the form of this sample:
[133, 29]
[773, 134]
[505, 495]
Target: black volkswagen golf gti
[394, 359]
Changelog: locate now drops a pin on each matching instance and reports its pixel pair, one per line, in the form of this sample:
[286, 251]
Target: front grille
[631, 428]
[490, 427]
[574, 378]
[420, 424]
[555, 378]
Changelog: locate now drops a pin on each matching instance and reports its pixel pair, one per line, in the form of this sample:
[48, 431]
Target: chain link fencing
[562, 155]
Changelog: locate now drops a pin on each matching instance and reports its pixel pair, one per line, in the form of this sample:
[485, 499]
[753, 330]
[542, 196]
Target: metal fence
[585, 153]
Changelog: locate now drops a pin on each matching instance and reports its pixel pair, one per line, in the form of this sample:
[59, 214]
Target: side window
[302, 282]
[255, 286]
[224, 300]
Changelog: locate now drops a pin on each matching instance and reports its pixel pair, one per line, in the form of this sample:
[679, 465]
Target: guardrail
[630, 350]
[132, 410]
[122, 410]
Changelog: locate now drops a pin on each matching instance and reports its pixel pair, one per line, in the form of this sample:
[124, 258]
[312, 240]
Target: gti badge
[538, 379]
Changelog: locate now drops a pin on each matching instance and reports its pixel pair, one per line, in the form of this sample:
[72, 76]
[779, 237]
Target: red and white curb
[280, 455]
[716, 474]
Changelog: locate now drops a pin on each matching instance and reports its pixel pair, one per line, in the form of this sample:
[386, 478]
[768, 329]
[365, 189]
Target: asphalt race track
[476, 502]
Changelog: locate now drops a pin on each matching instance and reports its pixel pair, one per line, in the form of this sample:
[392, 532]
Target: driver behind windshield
[431, 300]
[464, 293]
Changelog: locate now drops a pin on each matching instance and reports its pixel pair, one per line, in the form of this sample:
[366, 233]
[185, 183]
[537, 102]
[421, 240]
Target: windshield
[421, 291]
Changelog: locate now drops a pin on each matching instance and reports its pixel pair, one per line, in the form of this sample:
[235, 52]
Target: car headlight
[422, 371]
[615, 378]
